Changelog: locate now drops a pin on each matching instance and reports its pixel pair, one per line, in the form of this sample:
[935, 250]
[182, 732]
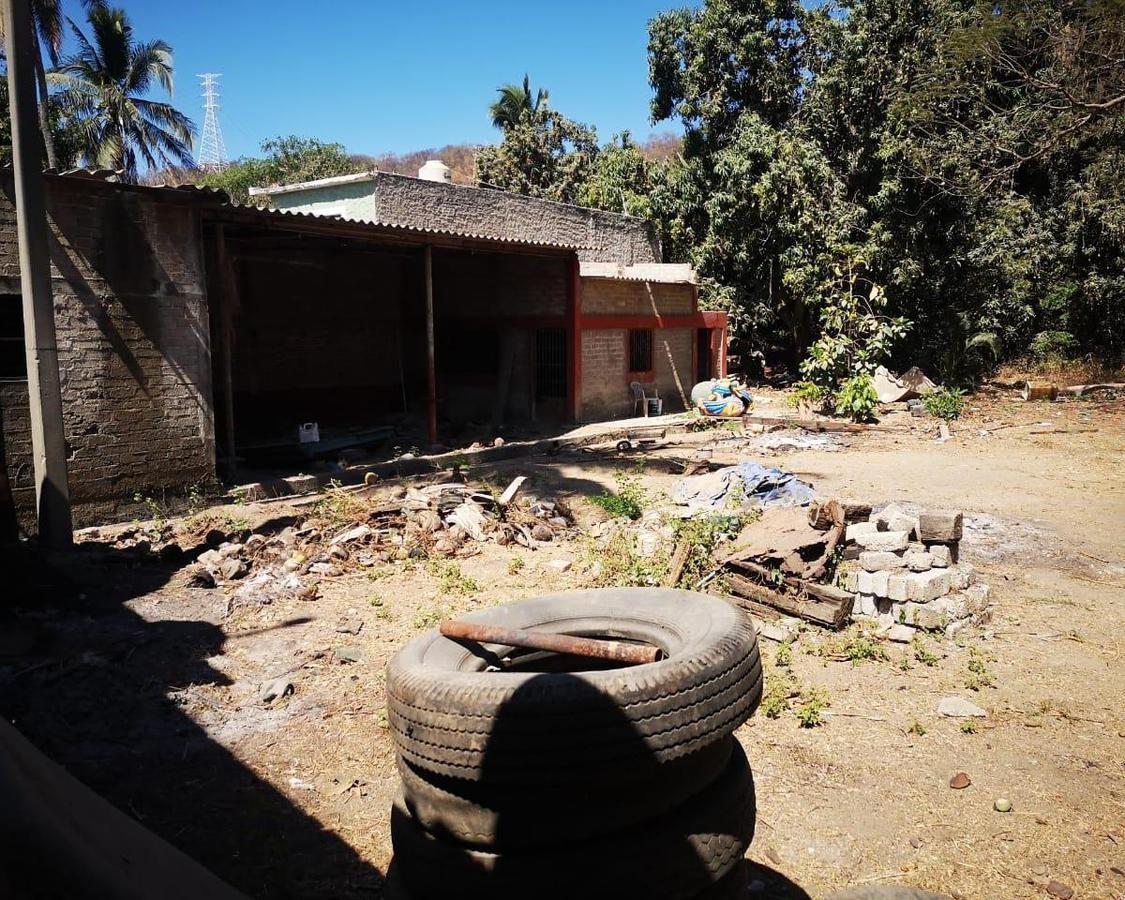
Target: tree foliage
[102, 91]
[286, 160]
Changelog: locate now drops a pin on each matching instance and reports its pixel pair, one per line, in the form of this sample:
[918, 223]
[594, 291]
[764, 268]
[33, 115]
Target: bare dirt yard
[149, 686]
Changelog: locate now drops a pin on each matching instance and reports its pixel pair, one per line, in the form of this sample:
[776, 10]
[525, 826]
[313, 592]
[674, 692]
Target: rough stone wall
[133, 340]
[402, 200]
[16, 417]
[607, 296]
[605, 382]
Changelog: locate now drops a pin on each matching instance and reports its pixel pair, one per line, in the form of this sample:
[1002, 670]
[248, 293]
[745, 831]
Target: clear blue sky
[400, 76]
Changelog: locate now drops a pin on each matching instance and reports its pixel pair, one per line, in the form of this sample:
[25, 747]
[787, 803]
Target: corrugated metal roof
[287, 216]
[657, 273]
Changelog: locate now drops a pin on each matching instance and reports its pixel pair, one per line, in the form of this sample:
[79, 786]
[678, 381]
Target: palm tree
[516, 104]
[103, 87]
[46, 24]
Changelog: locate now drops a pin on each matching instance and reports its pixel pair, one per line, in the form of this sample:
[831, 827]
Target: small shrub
[916, 727]
[805, 392]
[857, 645]
[784, 657]
[703, 534]
[979, 676]
[810, 713]
[781, 688]
[1053, 345]
[948, 403]
[451, 578]
[515, 565]
[628, 501]
[969, 726]
[857, 398]
[922, 653]
[428, 618]
[619, 565]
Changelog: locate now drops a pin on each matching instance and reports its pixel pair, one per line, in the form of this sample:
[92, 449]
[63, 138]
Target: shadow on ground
[93, 685]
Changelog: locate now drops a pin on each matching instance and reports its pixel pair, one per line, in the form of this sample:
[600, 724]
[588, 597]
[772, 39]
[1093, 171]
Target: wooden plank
[752, 606]
[512, 489]
[939, 527]
[823, 612]
[679, 561]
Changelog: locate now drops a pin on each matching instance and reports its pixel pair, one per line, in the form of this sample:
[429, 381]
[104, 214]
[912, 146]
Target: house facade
[195, 335]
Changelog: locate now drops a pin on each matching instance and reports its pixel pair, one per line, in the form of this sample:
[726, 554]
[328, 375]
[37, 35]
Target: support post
[431, 366]
[574, 328]
[228, 298]
[48, 442]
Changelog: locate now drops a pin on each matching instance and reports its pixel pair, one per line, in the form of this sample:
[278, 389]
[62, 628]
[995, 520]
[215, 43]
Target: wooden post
[48, 441]
[431, 366]
[574, 328]
[229, 297]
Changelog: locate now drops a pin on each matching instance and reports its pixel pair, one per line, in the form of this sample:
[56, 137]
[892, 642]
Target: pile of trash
[741, 487]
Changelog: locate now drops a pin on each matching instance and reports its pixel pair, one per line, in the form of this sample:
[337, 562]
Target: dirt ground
[148, 690]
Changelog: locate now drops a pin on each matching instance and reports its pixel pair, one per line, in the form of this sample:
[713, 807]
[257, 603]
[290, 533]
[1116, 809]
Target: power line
[212, 153]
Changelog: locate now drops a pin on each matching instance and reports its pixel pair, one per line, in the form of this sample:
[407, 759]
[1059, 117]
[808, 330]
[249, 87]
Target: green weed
[810, 713]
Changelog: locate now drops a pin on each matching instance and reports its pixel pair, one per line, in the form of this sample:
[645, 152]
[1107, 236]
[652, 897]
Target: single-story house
[194, 332]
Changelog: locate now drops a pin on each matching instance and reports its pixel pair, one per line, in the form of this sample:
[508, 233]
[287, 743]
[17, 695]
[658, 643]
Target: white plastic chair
[639, 396]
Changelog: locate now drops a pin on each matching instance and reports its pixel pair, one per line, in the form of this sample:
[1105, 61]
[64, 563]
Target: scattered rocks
[916, 843]
[1002, 805]
[560, 565]
[901, 634]
[959, 708]
[233, 568]
[960, 781]
[542, 532]
[350, 654]
[878, 560]
[276, 688]
[201, 577]
[1060, 890]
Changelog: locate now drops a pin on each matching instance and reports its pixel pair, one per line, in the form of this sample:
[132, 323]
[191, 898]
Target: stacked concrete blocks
[907, 572]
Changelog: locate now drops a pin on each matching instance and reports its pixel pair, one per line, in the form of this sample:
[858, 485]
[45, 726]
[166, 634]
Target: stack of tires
[565, 777]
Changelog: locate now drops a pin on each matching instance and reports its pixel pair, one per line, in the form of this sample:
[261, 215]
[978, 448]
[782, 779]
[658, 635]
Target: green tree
[102, 91]
[543, 155]
[287, 160]
[516, 104]
[620, 179]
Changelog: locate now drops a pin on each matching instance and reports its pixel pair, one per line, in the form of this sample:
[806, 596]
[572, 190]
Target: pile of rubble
[906, 575]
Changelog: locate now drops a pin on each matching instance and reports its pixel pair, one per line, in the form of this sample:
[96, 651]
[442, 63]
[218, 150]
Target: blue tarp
[765, 486]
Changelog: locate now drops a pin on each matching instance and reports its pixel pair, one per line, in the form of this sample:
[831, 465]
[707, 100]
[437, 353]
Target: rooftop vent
[435, 170]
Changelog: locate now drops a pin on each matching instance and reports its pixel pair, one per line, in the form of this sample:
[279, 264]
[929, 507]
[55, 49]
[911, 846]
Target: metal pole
[594, 648]
[431, 368]
[48, 443]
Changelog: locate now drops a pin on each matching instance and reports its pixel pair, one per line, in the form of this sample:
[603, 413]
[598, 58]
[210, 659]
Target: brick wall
[607, 296]
[16, 418]
[605, 381]
[133, 340]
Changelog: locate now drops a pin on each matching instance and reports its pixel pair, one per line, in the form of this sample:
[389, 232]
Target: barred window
[13, 361]
[640, 350]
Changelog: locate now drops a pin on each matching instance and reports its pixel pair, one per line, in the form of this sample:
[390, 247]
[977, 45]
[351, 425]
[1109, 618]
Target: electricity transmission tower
[212, 153]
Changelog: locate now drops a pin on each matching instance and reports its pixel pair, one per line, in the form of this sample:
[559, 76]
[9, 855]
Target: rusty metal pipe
[617, 651]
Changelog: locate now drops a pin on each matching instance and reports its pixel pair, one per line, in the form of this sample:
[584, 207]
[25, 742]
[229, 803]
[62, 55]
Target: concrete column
[48, 442]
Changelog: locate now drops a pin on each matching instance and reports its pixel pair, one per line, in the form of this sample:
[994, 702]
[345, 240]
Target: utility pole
[48, 444]
[212, 156]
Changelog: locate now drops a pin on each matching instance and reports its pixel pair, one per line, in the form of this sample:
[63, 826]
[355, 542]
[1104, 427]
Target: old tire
[451, 717]
[676, 856]
[504, 817]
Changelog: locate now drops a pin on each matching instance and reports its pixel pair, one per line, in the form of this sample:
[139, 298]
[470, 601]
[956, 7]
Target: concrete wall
[134, 349]
[605, 381]
[401, 200]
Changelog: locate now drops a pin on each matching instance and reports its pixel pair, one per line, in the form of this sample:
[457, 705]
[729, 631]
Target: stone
[883, 540]
[302, 484]
[873, 583]
[849, 581]
[782, 630]
[955, 628]
[233, 568]
[542, 532]
[255, 542]
[898, 587]
[955, 606]
[940, 555]
[352, 534]
[918, 562]
[324, 568]
[865, 605]
[271, 690]
[350, 654]
[901, 634]
[960, 781]
[854, 531]
[1060, 890]
[202, 577]
[894, 518]
[920, 615]
[850, 553]
[961, 576]
[925, 586]
[959, 708]
[943, 527]
[560, 565]
[877, 560]
[976, 597]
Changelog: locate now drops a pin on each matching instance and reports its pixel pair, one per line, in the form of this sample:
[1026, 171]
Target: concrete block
[920, 615]
[925, 586]
[961, 576]
[976, 596]
[849, 581]
[855, 530]
[893, 541]
[864, 605]
[894, 518]
[302, 484]
[877, 560]
[956, 606]
[901, 634]
[918, 562]
[941, 556]
[898, 587]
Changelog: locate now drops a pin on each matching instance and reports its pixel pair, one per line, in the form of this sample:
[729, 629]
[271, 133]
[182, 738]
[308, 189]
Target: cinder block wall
[402, 200]
[608, 296]
[134, 348]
